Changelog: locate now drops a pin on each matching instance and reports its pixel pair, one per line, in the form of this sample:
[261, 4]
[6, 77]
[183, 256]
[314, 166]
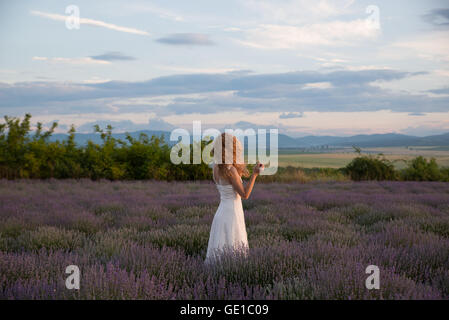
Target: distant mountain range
[371, 140]
[285, 141]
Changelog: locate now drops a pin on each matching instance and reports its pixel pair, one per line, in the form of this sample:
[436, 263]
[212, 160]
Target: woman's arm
[237, 182]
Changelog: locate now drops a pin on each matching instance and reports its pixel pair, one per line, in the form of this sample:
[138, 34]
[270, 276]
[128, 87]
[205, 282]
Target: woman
[228, 231]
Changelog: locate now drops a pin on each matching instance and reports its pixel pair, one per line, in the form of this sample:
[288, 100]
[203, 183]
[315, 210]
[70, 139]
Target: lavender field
[147, 240]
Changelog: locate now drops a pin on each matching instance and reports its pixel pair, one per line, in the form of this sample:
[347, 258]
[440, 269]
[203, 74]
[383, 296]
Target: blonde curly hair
[222, 155]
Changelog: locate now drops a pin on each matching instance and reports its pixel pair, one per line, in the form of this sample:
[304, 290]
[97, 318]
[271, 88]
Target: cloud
[277, 36]
[438, 17]
[291, 115]
[161, 12]
[250, 85]
[83, 60]
[113, 56]
[441, 72]
[40, 58]
[183, 39]
[243, 125]
[294, 24]
[440, 91]
[327, 62]
[297, 11]
[190, 70]
[432, 46]
[232, 29]
[91, 22]
[318, 85]
[96, 80]
[105, 58]
[417, 114]
[211, 93]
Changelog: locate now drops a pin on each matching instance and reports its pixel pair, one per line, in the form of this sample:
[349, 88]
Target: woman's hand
[258, 168]
[236, 181]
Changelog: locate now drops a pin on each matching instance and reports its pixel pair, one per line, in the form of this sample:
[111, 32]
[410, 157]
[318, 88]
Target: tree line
[27, 154]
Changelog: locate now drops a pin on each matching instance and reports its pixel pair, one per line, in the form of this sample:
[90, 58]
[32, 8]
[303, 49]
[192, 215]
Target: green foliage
[379, 168]
[371, 168]
[420, 169]
[23, 155]
[445, 174]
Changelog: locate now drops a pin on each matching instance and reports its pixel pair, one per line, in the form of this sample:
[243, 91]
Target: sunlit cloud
[298, 11]
[83, 60]
[91, 22]
[318, 85]
[427, 46]
[276, 36]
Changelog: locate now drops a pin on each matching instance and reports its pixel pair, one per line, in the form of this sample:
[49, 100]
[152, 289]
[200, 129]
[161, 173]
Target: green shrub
[420, 169]
[370, 168]
[445, 174]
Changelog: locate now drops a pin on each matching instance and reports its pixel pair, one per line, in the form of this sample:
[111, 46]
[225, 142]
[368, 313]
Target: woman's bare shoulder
[234, 173]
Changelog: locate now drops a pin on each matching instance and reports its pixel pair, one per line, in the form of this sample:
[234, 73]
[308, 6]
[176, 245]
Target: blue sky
[306, 67]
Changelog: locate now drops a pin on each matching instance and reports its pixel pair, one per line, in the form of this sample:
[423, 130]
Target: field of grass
[340, 158]
[147, 240]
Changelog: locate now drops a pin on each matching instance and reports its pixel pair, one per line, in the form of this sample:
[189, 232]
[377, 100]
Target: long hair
[222, 155]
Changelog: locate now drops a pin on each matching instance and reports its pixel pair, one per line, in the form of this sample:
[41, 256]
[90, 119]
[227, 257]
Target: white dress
[228, 231]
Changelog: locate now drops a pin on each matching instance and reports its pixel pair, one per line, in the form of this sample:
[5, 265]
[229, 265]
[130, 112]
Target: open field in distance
[337, 158]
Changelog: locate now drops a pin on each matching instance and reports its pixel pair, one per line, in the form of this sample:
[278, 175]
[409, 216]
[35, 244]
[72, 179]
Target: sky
[340, 67]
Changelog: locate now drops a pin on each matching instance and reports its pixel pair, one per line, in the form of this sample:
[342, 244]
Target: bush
[370, 168]
[445, 174]
[420, 169]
